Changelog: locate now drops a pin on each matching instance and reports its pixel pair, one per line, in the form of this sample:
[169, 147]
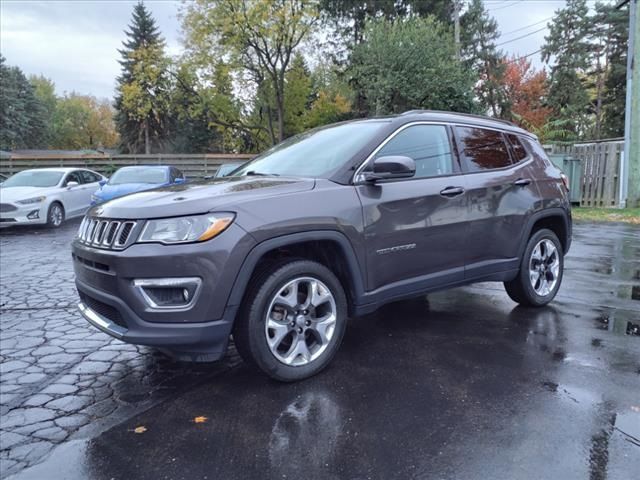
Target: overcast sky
[75, 42]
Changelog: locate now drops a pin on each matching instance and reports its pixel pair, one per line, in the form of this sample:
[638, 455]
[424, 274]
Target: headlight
[185, 229]
[29, 201]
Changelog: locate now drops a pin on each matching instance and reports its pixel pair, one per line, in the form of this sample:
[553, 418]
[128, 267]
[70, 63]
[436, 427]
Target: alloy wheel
[300, 321]
[55, 216]
[544, 267]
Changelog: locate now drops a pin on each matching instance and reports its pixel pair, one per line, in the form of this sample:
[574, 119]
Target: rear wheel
[293, 320]
[55, 215]
[541, 270]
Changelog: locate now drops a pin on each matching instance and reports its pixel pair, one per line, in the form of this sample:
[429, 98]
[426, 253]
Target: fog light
[33, 215]
[169, 293]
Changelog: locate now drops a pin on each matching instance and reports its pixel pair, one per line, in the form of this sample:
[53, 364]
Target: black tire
[520, 289]
[250, 333]
[53, 220]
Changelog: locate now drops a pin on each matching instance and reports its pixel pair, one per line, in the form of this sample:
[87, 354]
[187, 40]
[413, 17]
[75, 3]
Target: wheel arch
[555, 219]
[320, 246]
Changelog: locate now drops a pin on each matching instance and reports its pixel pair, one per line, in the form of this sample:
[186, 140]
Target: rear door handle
[452, 191]
[522, 182]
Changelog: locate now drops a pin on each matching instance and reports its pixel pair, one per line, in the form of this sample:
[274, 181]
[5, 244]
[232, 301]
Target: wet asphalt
[461, 384]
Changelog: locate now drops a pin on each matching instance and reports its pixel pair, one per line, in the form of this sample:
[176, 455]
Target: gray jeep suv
[329, 224]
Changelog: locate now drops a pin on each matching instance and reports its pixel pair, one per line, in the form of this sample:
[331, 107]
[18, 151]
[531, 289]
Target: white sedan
[47, 195]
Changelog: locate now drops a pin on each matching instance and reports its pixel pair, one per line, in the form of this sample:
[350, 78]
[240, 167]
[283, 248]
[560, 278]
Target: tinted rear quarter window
[483, 149]
[517, 149]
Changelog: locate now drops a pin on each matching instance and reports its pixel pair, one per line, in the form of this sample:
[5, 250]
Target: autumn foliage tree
[527, 89]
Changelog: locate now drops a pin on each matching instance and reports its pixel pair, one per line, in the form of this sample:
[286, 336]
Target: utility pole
[630, 181]
[457, 6]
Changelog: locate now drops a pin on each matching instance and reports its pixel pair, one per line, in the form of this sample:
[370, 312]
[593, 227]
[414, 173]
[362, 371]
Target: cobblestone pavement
[60, 378]
[473, 385]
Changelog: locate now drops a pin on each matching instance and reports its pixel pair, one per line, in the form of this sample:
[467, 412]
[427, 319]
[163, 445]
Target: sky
[75, 42]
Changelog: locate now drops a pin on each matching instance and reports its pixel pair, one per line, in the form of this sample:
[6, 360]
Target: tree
[526, 89]
[257, 39]
[21, 112]
[568, 45]
[407, 64]
[144, 86]
[350, 16]
[45, 91]
[297, 95]
[82, 122]
[615, 29]
[206, 114]
[479, 52]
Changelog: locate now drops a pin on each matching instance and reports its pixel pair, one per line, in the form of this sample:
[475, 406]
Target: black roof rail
[469, 115]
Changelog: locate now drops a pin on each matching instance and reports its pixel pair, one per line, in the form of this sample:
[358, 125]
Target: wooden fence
[193, 166]
[600, 174]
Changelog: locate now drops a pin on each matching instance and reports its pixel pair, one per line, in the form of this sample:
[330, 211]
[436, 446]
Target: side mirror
[391, 167]
[102, 183]
[178, 181]
[70, 185]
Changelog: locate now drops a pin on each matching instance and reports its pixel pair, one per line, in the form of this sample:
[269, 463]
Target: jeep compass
[329, 224]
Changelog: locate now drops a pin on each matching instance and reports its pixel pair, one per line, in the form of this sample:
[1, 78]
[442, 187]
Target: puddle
[619, 322]
[572, 394]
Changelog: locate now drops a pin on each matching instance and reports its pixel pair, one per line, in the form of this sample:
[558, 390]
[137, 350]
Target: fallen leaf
[140, 429]
[200, 419]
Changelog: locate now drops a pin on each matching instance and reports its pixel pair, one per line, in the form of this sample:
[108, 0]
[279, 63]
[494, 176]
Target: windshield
[33, 178]
[316, 153]
[154, 175]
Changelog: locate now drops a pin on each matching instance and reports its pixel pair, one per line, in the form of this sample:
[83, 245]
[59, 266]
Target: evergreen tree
[615, 29]
[350, 16]
[408, 64]
[143, 91]
[45, 91]
[568, 45]
[21, 113]
[479, 32]
[297, 95]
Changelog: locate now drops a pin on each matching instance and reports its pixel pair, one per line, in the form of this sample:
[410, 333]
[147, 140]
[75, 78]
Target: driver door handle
[452, 191]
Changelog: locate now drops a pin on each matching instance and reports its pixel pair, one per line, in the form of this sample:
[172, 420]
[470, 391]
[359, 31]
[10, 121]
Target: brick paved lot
[61, 378]
[562, 383]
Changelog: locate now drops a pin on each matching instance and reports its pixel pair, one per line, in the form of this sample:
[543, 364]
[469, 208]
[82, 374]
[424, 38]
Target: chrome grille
[106, 233]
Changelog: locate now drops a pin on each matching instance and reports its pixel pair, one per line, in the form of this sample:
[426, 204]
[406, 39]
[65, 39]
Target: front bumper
[16, 214]
[110, 300]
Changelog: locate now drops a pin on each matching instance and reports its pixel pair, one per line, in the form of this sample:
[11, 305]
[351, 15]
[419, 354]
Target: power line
[527, 26]
[523, 56]
[504, 6]
[522, 36]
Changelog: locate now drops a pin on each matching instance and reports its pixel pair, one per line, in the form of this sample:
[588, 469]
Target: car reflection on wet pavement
[462, 384]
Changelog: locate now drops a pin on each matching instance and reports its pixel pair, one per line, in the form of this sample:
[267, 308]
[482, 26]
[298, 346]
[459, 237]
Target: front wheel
[293, 320]
[541, 270]
[55, 215]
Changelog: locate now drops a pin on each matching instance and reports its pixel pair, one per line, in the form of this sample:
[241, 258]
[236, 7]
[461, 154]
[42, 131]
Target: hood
[221, 194]
[108, 192]
[13, 194]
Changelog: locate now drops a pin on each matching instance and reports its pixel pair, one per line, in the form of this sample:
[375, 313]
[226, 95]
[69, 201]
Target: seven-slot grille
[105, 233]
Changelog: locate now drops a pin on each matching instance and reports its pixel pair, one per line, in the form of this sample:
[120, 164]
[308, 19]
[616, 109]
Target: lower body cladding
[172, 297]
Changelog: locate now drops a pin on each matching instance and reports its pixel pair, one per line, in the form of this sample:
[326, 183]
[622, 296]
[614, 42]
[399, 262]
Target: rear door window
[89, 177]
[74, 177]
[427, 145]
[483, 149]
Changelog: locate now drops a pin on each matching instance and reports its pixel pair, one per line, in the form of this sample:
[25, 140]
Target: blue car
[136, 179]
